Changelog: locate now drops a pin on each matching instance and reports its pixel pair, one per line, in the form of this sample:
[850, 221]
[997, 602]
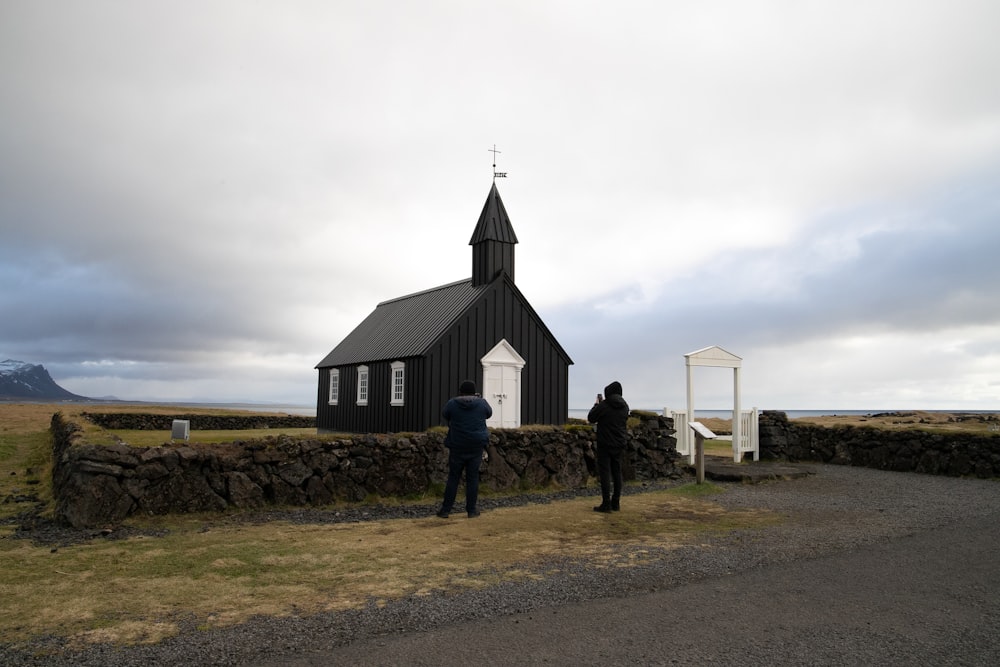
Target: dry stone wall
[910, 450]
[97, 485]
[138, 421]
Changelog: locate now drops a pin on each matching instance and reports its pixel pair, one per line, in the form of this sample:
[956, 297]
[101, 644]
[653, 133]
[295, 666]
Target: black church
[395, 371]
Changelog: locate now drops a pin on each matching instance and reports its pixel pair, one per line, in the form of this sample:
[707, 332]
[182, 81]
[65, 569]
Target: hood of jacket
[613, 396]
[466, 402]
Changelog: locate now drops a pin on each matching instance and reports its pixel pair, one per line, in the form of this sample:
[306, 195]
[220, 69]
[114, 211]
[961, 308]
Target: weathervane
[496, 174]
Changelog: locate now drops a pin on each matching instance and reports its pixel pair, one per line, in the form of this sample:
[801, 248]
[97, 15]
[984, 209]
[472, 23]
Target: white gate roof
[713, 356]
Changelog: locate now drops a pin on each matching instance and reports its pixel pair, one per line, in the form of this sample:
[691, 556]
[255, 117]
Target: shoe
[603, 507]
[473, 514]
[441, 514]
[615, 506]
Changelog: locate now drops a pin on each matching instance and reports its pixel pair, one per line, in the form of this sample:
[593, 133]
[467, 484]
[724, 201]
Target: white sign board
[701, 430]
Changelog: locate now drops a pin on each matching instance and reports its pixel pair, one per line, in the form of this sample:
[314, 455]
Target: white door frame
[502, 385]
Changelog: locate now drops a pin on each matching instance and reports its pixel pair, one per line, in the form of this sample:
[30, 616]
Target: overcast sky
[199, 200]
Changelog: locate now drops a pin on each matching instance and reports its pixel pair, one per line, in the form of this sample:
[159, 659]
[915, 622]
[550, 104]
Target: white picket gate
[749, 441]
[749, 435]
[685, 441]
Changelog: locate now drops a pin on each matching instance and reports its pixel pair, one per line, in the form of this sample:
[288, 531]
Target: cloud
[901, 287]
[204, 204]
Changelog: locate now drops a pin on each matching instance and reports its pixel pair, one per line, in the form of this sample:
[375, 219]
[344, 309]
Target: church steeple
[492, 242]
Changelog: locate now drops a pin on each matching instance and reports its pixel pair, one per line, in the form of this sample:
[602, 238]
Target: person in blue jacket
[610, 413]
[466, 441]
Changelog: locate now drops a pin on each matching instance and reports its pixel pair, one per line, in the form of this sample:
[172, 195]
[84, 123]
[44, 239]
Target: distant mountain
[23, 381]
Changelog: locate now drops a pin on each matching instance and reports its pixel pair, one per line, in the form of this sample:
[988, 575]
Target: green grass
[221, 572]
[25, 469]
[157, 438]
[218, 571]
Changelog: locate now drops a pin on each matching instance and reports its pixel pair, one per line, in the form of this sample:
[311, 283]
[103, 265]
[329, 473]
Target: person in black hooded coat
[610, 413]
[466, 440]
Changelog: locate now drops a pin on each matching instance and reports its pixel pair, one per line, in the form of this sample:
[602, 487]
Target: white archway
[717, 357]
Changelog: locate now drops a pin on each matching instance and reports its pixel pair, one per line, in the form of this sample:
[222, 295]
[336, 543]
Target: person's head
[467, 388]
[613, 389]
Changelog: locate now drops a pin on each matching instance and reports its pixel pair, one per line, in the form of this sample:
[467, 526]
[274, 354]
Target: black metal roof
[494, 223]
[404, 327]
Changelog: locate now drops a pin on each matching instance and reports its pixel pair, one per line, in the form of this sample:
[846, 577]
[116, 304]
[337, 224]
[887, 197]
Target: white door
[504, 396]
[502, 385]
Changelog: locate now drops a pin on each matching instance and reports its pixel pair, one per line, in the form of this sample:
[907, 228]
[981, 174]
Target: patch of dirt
[32, 525]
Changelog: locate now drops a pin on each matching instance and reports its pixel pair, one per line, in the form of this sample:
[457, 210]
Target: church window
[398, 383]
[362, 385]
[334, 386]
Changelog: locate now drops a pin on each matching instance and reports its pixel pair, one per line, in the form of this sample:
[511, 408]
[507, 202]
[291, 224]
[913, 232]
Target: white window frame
[334, 394]
[362, 385]
[397, 385]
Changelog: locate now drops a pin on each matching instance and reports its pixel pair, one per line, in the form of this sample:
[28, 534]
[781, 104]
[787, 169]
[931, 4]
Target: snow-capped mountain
[20, 381]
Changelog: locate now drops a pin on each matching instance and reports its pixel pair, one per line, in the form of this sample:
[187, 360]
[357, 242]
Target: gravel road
[869, 567]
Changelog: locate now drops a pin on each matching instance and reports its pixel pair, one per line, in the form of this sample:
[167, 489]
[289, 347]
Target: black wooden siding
[489, 259]
[378, 416]
[503, 313]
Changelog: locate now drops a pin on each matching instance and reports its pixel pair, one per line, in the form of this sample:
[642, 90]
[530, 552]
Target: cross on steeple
[496, 174]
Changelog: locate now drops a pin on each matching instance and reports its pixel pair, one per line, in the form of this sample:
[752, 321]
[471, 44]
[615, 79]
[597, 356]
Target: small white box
[180, 430]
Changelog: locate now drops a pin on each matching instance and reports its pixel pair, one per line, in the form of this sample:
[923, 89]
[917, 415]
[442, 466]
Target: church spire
[492, 241]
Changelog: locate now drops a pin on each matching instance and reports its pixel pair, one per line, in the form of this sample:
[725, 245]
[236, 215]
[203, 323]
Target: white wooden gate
[749, 436]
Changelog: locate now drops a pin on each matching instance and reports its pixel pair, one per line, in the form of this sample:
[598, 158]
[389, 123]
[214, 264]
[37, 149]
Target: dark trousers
[609, 469]
[459, 462]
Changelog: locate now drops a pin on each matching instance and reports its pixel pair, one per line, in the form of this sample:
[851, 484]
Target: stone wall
[910, 450]
[96, 485]
[138, 421]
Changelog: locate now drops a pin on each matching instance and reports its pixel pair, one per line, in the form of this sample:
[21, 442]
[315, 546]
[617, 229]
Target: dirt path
[880, 568]
[928, 599]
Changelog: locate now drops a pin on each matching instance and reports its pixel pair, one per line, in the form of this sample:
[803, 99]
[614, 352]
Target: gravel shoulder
[839, 519]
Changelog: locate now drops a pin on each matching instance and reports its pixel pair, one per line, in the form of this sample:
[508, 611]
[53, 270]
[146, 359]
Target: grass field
[939, 422]
[218, 572]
